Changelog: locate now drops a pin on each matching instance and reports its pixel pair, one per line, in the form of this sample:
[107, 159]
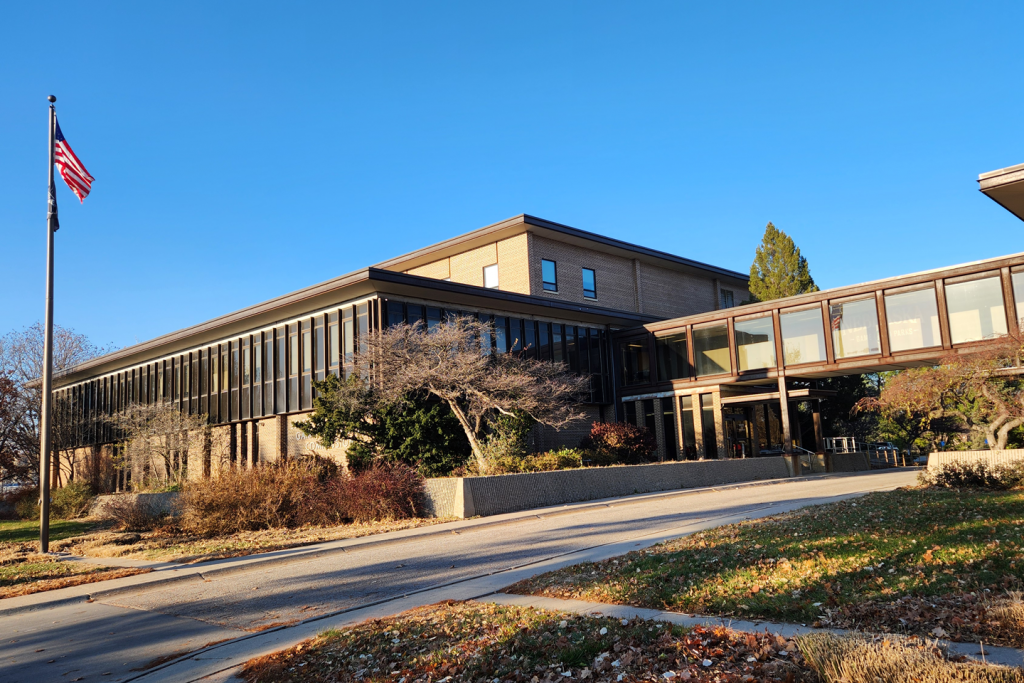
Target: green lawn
[939, 562]
[28, 531]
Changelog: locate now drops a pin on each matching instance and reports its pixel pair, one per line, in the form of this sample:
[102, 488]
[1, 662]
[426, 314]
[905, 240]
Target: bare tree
[450, 362]
[21, 361]
[157, 441]
[981, 391]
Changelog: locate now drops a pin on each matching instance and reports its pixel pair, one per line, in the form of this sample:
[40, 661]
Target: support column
[755, 433]
[659, 430]
[819, 439]
[792, 460]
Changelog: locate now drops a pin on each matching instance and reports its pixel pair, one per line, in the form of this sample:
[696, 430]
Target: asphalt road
[116, 638]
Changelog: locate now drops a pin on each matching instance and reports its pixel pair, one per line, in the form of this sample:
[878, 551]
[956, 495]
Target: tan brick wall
[514, 264]
[439, 270]
[615, 282]
[468, 267]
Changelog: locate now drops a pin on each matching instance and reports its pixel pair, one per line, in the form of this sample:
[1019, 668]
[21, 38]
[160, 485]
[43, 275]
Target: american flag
[837, 316]
[71, 169]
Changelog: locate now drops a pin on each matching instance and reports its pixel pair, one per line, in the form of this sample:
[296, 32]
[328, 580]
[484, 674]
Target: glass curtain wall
[672, 360]
[854, 328]
[913, 320]
[711, 350]
[707, 416]
[803, 337]
[689, 432]
[975, 310]
[755, 343]
[636, 362]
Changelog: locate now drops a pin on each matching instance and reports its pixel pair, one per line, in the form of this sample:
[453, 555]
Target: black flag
[51, 211]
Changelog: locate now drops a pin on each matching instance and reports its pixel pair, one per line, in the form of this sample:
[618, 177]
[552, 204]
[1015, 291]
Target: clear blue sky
[245, 150]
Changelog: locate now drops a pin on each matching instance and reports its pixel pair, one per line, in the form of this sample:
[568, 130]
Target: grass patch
[476, 641]
[27, 531]
[933, 562]
[24, 571]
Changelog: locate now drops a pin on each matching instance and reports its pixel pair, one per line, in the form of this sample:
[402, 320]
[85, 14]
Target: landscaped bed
[455, 642]
[938, 562]
[475, 641]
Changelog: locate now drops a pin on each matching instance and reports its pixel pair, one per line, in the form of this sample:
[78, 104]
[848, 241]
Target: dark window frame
[593, 292]
[551, 286]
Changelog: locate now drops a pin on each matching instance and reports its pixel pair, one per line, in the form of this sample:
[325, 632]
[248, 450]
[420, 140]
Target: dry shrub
[893, 659]
[132, 513]
[235, 500]
[1006, 615]
[293, 494]
[22, 503]
[979, 474]
[384, 491]
[620, 442]
[562, 459]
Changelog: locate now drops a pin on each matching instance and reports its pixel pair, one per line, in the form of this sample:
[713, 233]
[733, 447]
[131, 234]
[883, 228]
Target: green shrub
[71, 501]
[562, 459]
[978, 474]
[26, 503]
[620, 442]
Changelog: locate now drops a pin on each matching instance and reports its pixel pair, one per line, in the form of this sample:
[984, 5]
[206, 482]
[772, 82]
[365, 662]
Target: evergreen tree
[779, 270]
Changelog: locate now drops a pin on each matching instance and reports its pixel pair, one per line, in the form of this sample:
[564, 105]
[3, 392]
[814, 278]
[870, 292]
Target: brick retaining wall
[936, 460]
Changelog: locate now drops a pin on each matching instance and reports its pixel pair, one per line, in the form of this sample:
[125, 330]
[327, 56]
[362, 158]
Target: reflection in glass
[711, 350]
[707, 415]
[755, 343]
[975, 310]
[1018, 296]
[689, 433]
[854, 328]
[636, 363]
[913, 320]
[803, 339]
[672, 363]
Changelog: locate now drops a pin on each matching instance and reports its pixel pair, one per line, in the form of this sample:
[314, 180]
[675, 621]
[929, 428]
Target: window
[589, 284]
[728, 300]
[333, 343]
[854, 328]
[711, 350]
[803, 337]
[491, 276]
[707, 415]
[668, 428]
[689, 433]
[636, 362]
[913, 320]
[976, 310]
[755, 343]
[629, 410]
[549, 275]
[672, 362]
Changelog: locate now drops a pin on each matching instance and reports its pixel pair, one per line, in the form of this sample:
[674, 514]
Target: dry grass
[865, 659]
[169, 544]
[24, 571]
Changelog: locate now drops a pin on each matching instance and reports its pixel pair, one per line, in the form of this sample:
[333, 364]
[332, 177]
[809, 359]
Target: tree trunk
[474, 443]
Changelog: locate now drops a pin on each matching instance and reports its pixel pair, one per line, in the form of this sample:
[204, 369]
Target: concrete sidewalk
[167, 572]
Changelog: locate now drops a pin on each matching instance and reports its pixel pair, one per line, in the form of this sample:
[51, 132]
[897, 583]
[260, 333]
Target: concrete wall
[936, 460]
[511, 492]
[849, 462]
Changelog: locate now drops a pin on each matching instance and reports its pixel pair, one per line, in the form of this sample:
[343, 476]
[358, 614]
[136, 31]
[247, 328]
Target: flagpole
[44, 415]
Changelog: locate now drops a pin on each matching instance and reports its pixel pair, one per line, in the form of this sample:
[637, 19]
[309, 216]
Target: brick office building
[555, 291]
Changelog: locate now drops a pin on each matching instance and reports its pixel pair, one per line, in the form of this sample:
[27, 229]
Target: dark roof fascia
[919, 278]
[360, 283]
[1001, 180]
[509, 226]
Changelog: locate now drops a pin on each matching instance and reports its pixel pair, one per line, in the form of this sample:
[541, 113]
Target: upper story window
[728, 300]
[589, 284]
[548, 275]
[491, 276]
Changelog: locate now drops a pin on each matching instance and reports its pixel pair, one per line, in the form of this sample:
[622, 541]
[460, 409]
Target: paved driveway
[113, 638]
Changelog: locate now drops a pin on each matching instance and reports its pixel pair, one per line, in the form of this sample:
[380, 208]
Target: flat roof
[1005, 186]
[562, 233]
